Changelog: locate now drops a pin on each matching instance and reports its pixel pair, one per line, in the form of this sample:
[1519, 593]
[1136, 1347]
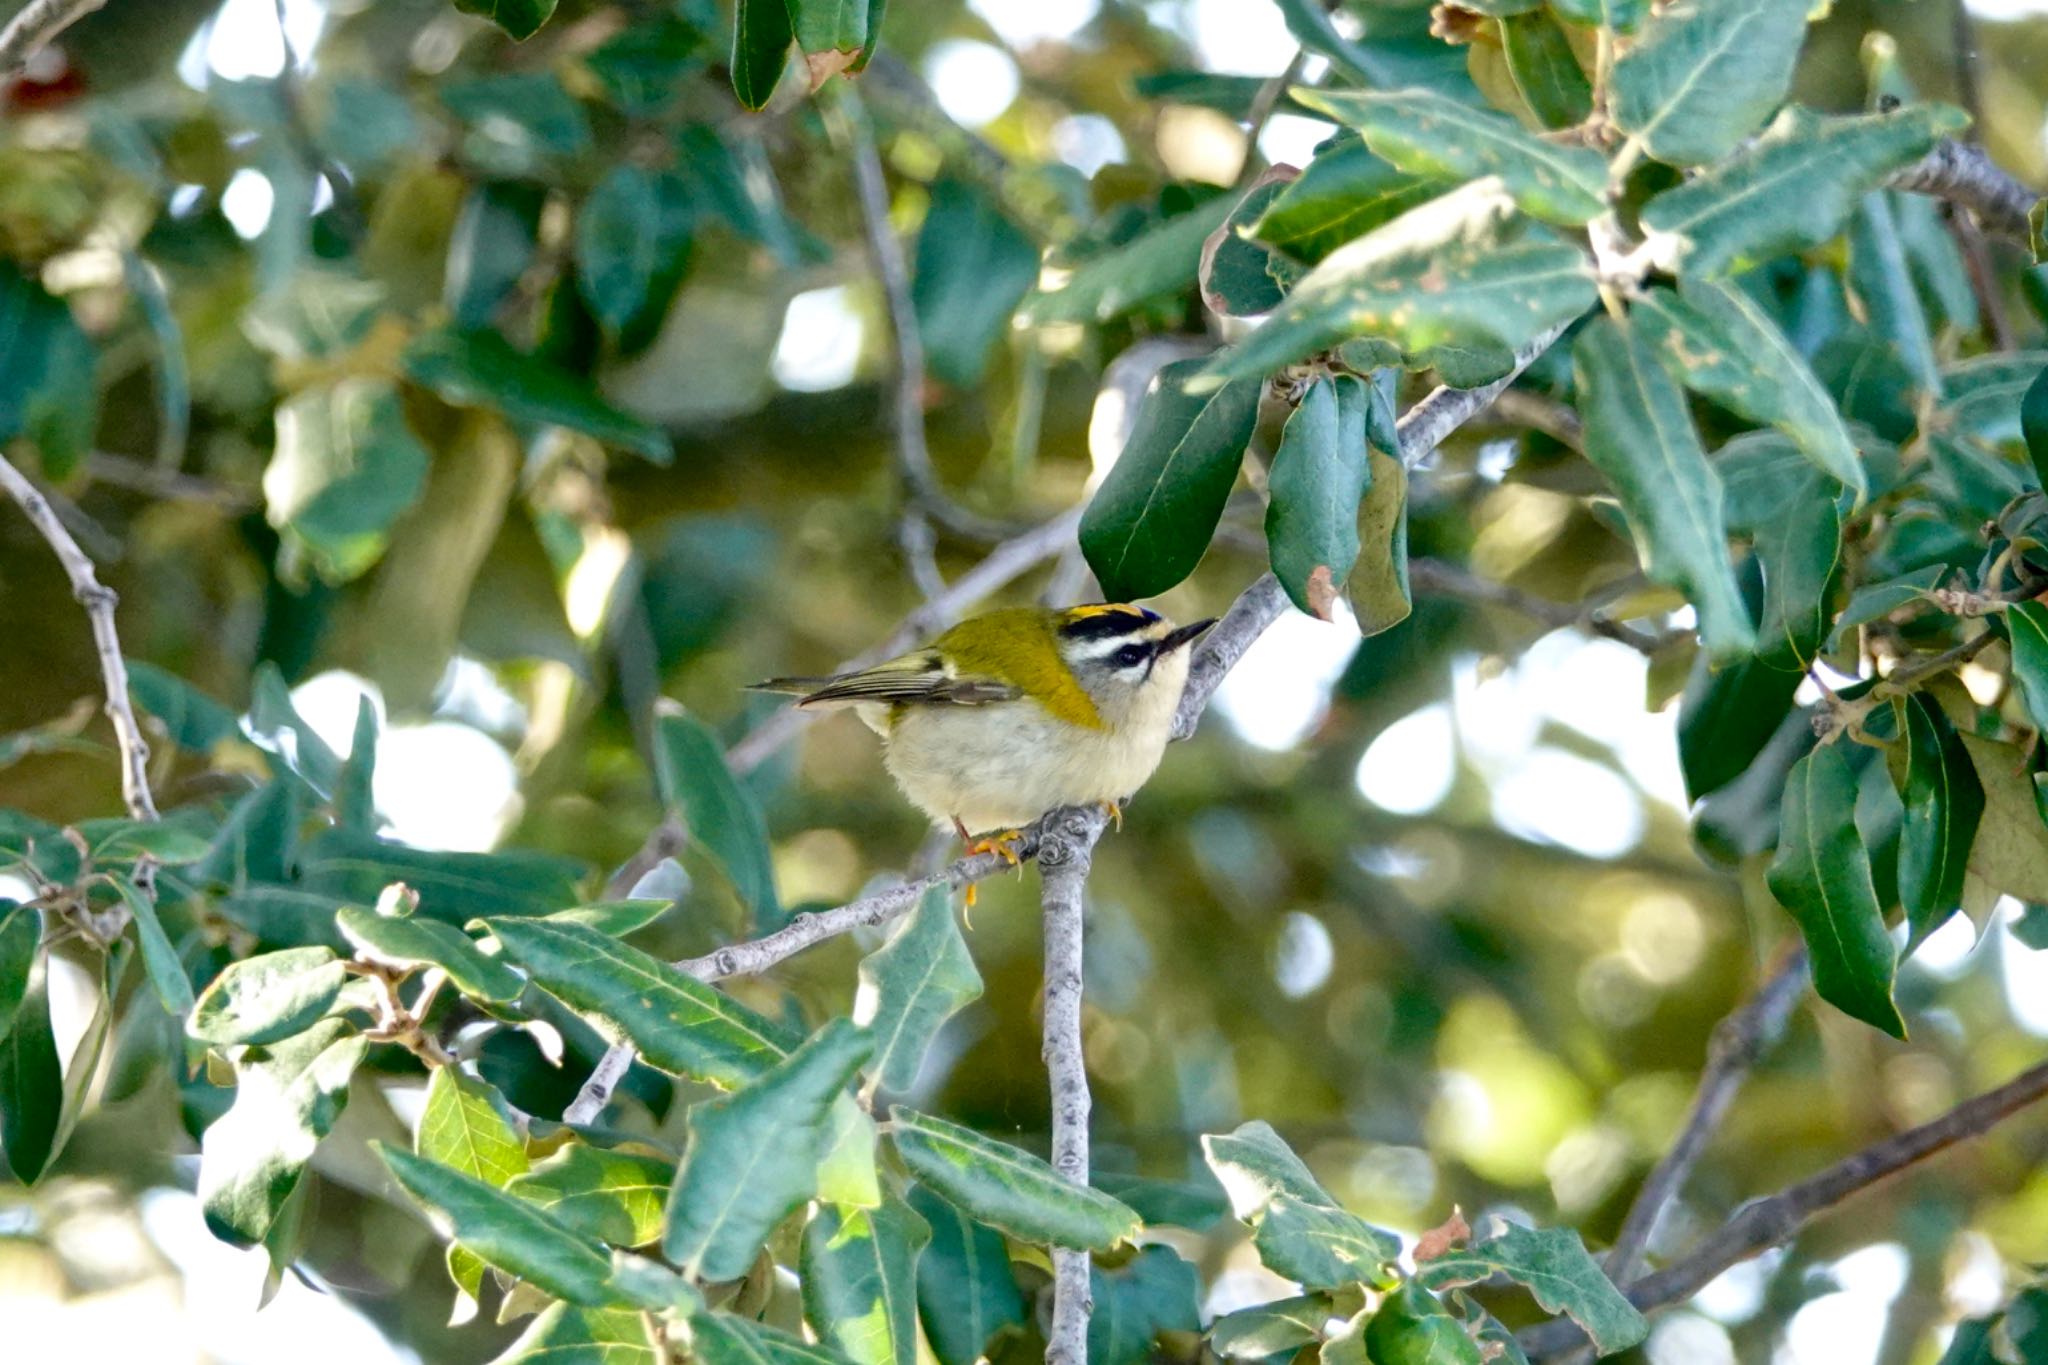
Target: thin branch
[1765, 1223]
[1436, 577]
[34, 26]
[1520, 408]
[1739, 1040]
[1265, 101]
[1964, 173]
[98, 601]
[1066, 851]
[157, 481]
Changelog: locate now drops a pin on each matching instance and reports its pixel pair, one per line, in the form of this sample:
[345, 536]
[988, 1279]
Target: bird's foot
[1115, 811]
[1004, 844]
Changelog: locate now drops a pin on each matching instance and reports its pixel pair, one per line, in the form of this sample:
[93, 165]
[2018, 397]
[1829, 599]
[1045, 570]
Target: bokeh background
[1431, 904]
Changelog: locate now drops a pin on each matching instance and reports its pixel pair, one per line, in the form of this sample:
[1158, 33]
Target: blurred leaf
[355, 801]
[760, 50]
[525, 119]
[1451, 272]
[288, 1096]
[677, 1022]
[276, 723]
[31, 1074]
[1883, 284]
[613, 919]
[966, 1291]
[910, 987]
[1380, 598]
[1641, 438]
[48, 392]
[1822, 875]
[520, 18]
[729, 1339]
[1704, 73]
[346, 466]
[2034, 424]
[505, 1231]
[613, 1196]
[453, 887]
[1982, 395]
[1005, 1187]
[2026, 624]
[567, 1335]
[1160, 260]
[193, 720]
[1314, 485]
[463, 1127]
[495, 238]
[631, 234]
[1155, 1291]
[1412, 1328]
[1153, 515]
[416, 941]
[1425, 133]
[1622, 16]
[1719, 342]
[1553, 1265]
[1944, 803]
[832, 34]
[1270, 1328]
[1545, 69]
[1791, 188]
[1345, 192]
[268, 998]
[646, 66]
[480, 369]
[973, 267]
[752, 1157]
[1321, 1247]
[21, 933]
[721, 816]
[259, 839]
[1197, 1203]
[859, 1280]
[182, 836]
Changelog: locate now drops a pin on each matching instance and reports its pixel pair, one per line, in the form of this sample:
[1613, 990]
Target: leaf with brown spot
[1453, 1231]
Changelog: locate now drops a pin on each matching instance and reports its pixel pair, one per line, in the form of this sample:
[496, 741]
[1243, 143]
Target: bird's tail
[795, 687]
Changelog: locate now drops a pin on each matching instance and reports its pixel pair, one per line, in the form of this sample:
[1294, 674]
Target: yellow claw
[1115, 811]
[1003, 844]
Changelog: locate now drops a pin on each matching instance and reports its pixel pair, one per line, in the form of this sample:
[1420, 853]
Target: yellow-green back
[1020, 646]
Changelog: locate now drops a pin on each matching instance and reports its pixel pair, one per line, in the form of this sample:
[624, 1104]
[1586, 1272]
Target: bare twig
[159, 482]
[1766, 1223]
[1738, 1042]
[34, 26]
[1436, 577]
[1964, 173]
[1264, 102]
[1520, 408]
[1065, 852]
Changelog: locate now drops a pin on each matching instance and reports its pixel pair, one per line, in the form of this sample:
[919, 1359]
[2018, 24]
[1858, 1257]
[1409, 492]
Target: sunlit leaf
[1320, 1247]
[1269, 1328]
[1005, 1187]
[910, 987]
[288, 1096]
[722, 817]
[1379, 593]
[1553, 1265]
[1256, 1166]
[564, 1334]
[613, 1196]
[859, 1280]
[1704, 73]
[1159, 260]
[966, 1291]
[1545, 69]
[1344, 193]
[267, 998]
[1412, 1328]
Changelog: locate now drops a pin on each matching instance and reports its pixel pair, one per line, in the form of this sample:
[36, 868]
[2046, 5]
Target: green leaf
[268, 998]
[761, 37]
[566, 1335]
[415, 941]
[2026, 624]
[910, 987]
[355, 802]
[1270, 1328]
[1640, 436]
[825, 28]
[21, 933]
[1312, 27]
[1160, 260]
[1792, 188]
[519, 18]
[1450, 273]
[722, 817]
[860, 1280]
[493, 243]
[1256, 1166]
[259, 839]
[1320, 1247]
[1412, 1328]
[1426, 133]
[1622, 16]
[1553, 1265]
[973, 268]
[159, 957]
[1704, 74]
[2034, 425]
[728, 1339]
[180, 837]
[1545, 69]
[288, 1095]
[966, 1291]
[1238, 276]
[194, 720]
[1196, 1204]
[677, 1022]
[31, 1079]
[1151, 519]
[1822, 875]
[2011, 848]
[1007, 1188]
[1720, 342]
[345, 468]
[1883, 283]
[1155, 1291]
[613, 919]
[277, 725]
[481, 370]
[1982, 396]
[1944, 803]
[1380, 599]
[48, 392]
[505, 1231]
[1874, 601]
[752, 1157]
[463, 1126]
[453, 887]
[613, 1196]
[1344, 193]
[1314, 485]
[1793, 514]
[631, 235]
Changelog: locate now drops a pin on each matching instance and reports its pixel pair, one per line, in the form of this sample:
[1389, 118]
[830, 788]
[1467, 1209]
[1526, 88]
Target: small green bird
[1015, 712]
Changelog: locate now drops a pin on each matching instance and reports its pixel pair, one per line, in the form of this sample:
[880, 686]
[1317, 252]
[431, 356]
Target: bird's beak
[1186, 635]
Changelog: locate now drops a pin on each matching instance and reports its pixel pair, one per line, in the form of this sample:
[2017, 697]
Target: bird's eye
[1130, 656]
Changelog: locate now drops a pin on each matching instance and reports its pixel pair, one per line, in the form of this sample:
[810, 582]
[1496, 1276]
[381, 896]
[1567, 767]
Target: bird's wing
[918, 678]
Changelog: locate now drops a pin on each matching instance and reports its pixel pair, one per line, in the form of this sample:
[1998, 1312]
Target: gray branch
[1964, 173]
[31, 29]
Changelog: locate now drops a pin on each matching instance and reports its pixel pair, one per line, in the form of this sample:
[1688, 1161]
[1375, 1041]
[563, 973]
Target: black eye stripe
[1105, 624]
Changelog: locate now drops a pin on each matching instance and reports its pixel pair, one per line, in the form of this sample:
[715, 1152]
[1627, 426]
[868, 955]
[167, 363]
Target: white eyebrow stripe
[1095, 651]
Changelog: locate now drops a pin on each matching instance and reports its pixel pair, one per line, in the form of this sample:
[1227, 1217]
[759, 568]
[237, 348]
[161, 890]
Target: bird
[1019, 711]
